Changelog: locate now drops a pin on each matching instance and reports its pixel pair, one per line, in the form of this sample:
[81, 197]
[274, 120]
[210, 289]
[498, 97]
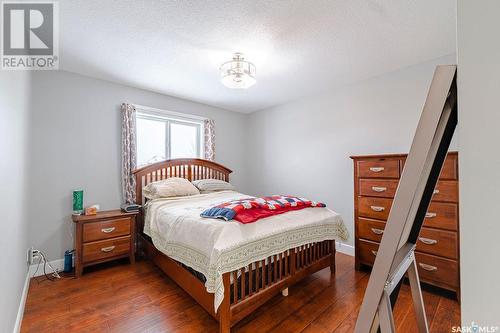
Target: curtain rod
[168, 112]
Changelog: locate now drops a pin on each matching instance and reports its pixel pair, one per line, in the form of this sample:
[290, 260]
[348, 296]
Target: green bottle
[77, 202]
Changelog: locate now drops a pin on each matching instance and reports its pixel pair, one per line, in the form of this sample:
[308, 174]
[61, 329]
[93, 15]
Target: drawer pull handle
[377, 231]
[436, 191]
[108, 249]
[374, 252]
[379, 189]
[377, 208]
[428, 267]
[377, 169]
[427, 241]
[108, 230]
[430, 215]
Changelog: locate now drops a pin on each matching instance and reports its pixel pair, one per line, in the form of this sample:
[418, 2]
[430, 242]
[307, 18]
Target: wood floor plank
[139, 298]
[333, 316]
[309, 311]
[280, 308]
[447, 315]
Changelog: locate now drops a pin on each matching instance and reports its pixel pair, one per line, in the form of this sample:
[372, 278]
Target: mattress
[213, 246]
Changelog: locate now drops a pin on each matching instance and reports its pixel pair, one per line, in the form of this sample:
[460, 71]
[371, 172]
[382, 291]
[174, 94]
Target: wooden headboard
[189, 168]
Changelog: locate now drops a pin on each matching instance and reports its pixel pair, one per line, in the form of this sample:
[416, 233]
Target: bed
[230, 269]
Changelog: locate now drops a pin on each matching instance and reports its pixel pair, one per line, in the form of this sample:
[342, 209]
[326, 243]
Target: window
[162, 135]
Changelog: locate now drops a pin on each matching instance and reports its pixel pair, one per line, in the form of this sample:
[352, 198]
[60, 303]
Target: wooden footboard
[251, 286]
[256, 283]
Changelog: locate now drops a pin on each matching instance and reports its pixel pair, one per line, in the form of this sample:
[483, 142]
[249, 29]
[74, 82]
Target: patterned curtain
[209, 130]
[129, 152]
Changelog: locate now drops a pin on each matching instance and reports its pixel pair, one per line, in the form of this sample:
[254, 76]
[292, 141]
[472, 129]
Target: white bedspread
[213, 247]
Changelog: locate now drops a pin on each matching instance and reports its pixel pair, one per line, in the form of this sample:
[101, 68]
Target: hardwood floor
[140, 298]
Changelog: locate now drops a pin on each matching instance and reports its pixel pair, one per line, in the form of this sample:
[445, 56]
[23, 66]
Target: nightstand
[109, 235]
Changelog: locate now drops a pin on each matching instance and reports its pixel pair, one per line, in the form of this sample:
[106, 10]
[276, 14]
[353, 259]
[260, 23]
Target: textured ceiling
[299, 47]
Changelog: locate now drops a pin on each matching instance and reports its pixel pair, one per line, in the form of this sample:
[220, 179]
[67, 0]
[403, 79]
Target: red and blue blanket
[252, 209]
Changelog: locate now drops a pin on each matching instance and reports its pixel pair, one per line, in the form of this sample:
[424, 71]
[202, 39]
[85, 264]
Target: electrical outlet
[30, 256]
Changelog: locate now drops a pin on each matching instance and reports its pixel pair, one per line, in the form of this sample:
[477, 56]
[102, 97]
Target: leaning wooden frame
[395, 256]
[247, 288]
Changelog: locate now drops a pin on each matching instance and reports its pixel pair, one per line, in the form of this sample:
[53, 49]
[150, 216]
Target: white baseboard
[58, 265]
[345, 248]
[22, 303]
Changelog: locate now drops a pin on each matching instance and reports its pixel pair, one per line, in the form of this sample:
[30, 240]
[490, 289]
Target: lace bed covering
[213, 247]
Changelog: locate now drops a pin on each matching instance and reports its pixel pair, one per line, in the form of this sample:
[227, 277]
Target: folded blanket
[252, 209]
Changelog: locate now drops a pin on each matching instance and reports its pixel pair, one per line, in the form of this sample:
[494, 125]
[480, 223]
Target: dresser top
[355, 157]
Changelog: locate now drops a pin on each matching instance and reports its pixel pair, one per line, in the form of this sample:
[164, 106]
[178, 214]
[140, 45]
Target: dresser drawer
[370, 229]
[446, 191]
[385, 188]
[450, 168]
[106, 229]
[367, 251]
[438, 242]
[442, 215]
[436, 269]
[378, 169]
[106, 249]
[377, 208]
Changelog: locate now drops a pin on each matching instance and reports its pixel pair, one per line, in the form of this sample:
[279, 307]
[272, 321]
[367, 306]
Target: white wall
[478, 45]
[14, 129]
[303, 147]
[76, 143]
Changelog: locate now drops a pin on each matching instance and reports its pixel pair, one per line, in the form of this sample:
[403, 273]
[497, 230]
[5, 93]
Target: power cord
[52, 276]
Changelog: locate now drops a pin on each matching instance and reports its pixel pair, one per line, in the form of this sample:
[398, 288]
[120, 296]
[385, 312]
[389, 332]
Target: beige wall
[478, 27]
[14, 133]
[303, 147]
[76, 143]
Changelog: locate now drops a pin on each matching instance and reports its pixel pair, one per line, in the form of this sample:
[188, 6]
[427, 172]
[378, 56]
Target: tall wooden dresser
[376, 179]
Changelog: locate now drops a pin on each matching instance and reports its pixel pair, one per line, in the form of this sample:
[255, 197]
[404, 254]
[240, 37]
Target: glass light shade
[238, 73]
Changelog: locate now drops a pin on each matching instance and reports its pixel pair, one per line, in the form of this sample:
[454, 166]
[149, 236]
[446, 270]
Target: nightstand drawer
[106, 249]
[106, 229]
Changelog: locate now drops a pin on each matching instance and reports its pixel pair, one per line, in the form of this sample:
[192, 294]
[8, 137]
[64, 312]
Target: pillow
[170, 187]
[212, 185]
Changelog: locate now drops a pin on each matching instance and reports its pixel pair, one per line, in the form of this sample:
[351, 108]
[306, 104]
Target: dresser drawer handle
[377, 208]
[377, 231]
[436, 191]
[427, 241]
[108, 230]
[108, 249]
[379, 189]
[430, 215]
[428, 267]
[377, 169]
[374, 252]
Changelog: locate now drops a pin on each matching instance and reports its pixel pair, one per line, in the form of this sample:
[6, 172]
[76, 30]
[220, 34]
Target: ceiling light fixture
[238, 73]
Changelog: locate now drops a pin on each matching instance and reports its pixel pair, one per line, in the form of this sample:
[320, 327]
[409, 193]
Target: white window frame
[170, 117]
